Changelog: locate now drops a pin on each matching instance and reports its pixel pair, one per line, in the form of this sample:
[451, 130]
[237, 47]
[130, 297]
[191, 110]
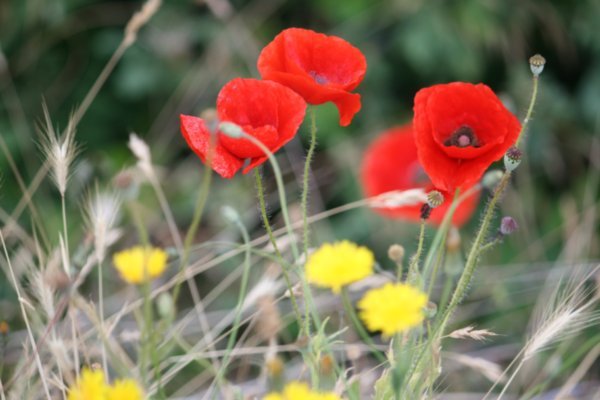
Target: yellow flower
[139, 264]
[300, 391]
[393, 308]
[125, 389]
[90, 386]
[334, 265]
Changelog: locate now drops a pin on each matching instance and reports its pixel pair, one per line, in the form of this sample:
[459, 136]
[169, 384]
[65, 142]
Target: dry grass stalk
[471, 332]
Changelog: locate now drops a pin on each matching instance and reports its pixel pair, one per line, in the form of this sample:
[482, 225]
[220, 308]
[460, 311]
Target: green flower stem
[532, 101]
[359, 326]
[305, 179]
[198, 210]
[304, 204]
[240, 304]
[308, 300]
[413, 268]
[473, 257]
[284, 269]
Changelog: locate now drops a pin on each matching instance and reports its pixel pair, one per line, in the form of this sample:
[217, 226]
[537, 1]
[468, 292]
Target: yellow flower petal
[90, 386]
[300, 391]
[139, 264]
[125, 389]
[338, 264]
[393, 308]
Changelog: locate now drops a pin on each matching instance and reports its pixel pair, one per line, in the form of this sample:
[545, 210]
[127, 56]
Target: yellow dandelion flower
[125, 389]
[138, 264]
[338, 264]
[393, 308]
[300, 391]
[90, 386]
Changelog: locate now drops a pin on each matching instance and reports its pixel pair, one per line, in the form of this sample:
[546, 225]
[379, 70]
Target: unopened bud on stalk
[232, 130]
[230, 214]
[536, 63]
[165, 306]
[491, 179]
[512, 158]
[508, 226]
[435, 199]
[396, 253]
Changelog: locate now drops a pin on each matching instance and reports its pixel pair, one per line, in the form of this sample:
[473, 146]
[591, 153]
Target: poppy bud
[536, 63]
[512, 159]
[435, 199]
[232, 130]
[508, 226]
[165, 306]
[425, 211]
[491, 179]
[396, 253]
[230, 214]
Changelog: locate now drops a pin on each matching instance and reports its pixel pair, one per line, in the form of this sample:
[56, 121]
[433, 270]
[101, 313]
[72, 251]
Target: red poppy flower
[460, 129]
[391, 163]
[320, 68]
[266, 110]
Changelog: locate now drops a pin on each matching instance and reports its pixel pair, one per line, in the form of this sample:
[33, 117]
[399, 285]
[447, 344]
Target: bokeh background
[54, 51]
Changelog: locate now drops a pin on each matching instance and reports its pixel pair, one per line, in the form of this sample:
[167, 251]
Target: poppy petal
[197, 136]
[320, 68]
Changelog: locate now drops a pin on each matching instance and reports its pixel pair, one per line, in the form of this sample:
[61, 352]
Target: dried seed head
[435, 199]
[508, 226]
[536, 63]
[512, 158]
[269, 319]
[4, 328]
[326, 364]
[396, 253]
[60, 151]
[274, 366]
[491, 179]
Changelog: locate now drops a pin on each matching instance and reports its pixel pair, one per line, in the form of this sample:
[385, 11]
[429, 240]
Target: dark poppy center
[463, 137]
[320, 79]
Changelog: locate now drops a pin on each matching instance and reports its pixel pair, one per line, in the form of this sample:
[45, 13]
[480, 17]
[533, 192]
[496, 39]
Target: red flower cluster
[266, 110]
[298, 66]
[460, 129]
[390, 163]
[320, 68]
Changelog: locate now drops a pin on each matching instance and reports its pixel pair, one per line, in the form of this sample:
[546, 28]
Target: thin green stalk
[360, 327]
[414, 262]
[472, 258]
[288, 227]
[436, 266]
[267, 224]
[532, 102]
[240, 304]
[304, 202]
[101, 315]
[306, 178]
[198, 210]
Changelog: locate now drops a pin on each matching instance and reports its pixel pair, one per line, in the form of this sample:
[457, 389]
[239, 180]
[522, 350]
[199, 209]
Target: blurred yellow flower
[393, 308]
[125, 389]
[90, 386]
[300, 391]
[334, 265]
[139, 264]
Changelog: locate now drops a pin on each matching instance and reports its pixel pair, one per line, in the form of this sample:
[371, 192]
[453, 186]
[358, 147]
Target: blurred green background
[54, 50]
